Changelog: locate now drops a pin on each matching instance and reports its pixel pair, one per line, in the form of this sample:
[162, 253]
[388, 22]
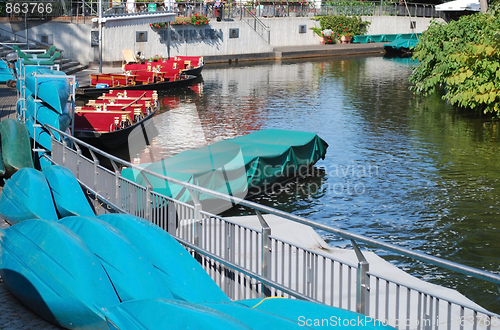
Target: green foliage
[199, 19]
[341, 25]
[462, 60]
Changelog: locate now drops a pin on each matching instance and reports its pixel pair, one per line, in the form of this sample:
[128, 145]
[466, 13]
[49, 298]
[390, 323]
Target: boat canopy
[240, 166]
[459, 5]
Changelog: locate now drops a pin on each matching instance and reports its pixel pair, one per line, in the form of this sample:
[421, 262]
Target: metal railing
[83, 9]
[256, 24]
[250, 262]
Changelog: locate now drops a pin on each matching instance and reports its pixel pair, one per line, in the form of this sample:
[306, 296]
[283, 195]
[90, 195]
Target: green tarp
[237, 167]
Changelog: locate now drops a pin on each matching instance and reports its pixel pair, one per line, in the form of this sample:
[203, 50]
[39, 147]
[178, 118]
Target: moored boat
[62, 184]
[188, 65]
[106, 82]
[243, 166]
[26, 195]
[113, 117]
[46, 86]
[401, 47]
[16, 148]
[51, 271]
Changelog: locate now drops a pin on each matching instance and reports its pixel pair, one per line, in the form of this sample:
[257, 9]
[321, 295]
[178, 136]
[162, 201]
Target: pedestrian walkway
[8, 100]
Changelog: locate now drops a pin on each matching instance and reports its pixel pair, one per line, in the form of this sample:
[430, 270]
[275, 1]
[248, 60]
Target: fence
[79, 8]
[248, 262]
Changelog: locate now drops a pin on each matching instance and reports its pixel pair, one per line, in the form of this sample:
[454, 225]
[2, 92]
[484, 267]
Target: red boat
[110, 119]
[188, 65]
[155, 73]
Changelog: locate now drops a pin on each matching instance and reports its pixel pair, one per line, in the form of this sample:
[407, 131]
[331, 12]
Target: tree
[462, 60]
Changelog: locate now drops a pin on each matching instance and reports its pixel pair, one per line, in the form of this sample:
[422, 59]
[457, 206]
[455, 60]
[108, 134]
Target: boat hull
[63, 184]
[118, 138]
[131, 272]
[16, 147]
[53, 91]
[182, 274]
[164, 85]
[53, 273]
[156, 314]
[26, 195]
[303, 313]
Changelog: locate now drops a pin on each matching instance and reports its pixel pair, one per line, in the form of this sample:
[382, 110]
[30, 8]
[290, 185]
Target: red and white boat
[112, 118]
[156, 73]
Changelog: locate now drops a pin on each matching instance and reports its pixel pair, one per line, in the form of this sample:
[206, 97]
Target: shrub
[342, 25]
[462, 60]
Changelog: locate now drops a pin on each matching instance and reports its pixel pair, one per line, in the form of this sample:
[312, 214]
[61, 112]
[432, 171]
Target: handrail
[450, 265]
[257, 20]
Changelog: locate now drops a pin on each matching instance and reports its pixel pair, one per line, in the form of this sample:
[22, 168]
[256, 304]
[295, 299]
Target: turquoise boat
[62, 184]
[163, 314]
[54, 274]
[25, 196]
[401, 47]
[16, 147]
[169, 258]
[53, 91]
[44, 115]
[311, 314]
[183, 276]
[5, 72]
[243, 166]
[131, 272]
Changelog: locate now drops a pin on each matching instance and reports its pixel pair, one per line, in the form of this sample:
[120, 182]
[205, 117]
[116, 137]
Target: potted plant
[346, 37]
[343, 27]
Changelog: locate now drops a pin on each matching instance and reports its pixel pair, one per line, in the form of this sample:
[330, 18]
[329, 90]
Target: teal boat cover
[401, 44]
[240, 166]
[16, 147]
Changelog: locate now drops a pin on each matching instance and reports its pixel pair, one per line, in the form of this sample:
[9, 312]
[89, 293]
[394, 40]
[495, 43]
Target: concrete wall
[397, 24]
[216, 39]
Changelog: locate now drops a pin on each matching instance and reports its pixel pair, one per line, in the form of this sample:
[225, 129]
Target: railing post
[117, 180]
[266, 252]
[362, 283]
[78, 161]
[95, 161]
[171, 218]
[147, 204]
[197, 219]
[362, 289]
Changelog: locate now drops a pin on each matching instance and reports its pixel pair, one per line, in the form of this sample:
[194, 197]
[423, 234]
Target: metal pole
[266, 252]
[362, 288]
[168, 39]
[100, 35]
[197, 218]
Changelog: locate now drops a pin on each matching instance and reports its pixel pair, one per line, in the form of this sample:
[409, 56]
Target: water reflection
[408, 170]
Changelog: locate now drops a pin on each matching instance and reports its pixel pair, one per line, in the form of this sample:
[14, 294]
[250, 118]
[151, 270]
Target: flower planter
[346, 39]
[321, 40]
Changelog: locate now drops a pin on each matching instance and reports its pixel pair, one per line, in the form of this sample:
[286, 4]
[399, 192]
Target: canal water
[407, 170]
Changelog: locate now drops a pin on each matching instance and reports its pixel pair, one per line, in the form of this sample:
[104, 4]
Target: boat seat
[48, 53]
[43, 61]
